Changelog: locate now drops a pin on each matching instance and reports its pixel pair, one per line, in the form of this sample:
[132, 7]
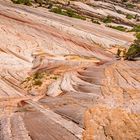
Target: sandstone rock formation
[60, 79]
[103, 123]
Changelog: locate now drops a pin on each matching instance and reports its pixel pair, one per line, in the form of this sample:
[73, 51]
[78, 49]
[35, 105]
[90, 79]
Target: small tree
[133, 51]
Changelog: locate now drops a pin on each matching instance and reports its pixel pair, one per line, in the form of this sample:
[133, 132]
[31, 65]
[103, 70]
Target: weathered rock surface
[59, 79]
[104, 123]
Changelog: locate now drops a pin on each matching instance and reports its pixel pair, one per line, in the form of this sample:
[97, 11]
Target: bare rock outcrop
[102, 123]
[59, 78]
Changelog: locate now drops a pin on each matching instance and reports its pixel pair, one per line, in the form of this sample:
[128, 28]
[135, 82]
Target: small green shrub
[56, 10]
[120, 28]
[95, 21]
[136, 28]
[133, 51]
[79, 16]
[107, 19]
[70, 13]
[25, 2]
[67, 12]
[138, 35]
[130, 5]
[128, 16]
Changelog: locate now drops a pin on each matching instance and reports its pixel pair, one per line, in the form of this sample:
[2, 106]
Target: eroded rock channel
[60, 79]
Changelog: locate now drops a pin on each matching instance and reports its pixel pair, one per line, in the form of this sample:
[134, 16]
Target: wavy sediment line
[78, 74]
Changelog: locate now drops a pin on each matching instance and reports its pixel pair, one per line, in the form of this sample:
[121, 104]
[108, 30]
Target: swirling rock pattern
[84, 93]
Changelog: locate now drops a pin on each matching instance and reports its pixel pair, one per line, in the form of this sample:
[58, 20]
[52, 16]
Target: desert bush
[130, 5]
[128, 16]
[136, 28]
[25, 2]
[107, 19]
[138, 35]
[95, 21]
[67, 12]
[38, 76]
[56, 10]
[120, 28]
[133, 51]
